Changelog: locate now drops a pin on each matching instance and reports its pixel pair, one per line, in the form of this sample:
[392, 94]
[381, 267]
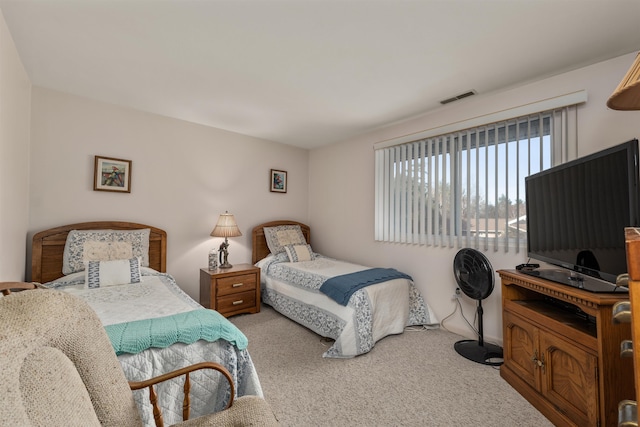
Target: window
[466, 188]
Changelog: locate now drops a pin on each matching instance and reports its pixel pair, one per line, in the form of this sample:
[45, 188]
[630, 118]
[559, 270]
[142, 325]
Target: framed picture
[278, 181]
[112, 175]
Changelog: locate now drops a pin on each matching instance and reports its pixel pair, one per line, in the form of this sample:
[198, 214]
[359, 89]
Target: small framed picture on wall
[111, 174]
[278, 181]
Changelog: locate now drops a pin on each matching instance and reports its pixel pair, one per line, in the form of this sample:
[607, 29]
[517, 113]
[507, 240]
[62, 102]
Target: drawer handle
[622, 312]
[237, 285]
[623, 280]
[238, 302]
[627, 413]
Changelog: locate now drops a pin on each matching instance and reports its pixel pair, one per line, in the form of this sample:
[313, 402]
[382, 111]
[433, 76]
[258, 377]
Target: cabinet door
[521, 348]
[570, 379]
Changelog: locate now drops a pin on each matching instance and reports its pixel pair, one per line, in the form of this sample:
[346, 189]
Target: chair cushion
[49, 372]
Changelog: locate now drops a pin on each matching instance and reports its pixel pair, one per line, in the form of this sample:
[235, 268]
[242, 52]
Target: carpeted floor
[412, 379]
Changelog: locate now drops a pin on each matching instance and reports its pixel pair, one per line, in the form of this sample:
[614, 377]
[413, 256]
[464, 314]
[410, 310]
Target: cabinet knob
[628, 413]
[626, 348]
[623, 280]
[537, 361]
[622, 312]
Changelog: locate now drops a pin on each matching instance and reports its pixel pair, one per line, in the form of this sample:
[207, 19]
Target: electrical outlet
[456, 295]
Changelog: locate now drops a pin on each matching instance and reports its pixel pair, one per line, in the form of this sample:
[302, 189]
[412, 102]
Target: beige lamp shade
[226, 226]
[627, 94]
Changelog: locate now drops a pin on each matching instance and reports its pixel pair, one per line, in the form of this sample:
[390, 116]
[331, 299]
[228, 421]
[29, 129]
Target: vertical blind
[466, 188]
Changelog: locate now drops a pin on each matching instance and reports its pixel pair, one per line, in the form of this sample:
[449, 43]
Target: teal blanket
[201, 324]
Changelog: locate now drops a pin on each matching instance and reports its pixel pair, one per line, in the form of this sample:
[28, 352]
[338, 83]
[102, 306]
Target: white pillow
[299, 253]
[99, 274]
[280, 236]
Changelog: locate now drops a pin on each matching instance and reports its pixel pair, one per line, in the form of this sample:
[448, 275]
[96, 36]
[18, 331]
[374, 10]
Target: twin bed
[296, 282]
[146, 299]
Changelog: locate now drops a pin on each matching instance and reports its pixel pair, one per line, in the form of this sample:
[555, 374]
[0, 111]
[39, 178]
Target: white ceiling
[308, 72]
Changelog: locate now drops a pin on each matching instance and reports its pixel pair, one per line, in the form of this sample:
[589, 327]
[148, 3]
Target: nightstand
[231, 291]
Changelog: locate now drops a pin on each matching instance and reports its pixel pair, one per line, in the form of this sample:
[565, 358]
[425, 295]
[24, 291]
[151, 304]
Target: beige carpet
[412, 379]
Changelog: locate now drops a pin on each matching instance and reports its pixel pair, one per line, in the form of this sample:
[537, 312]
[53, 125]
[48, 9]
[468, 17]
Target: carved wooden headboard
[260, 248]
[48, 247]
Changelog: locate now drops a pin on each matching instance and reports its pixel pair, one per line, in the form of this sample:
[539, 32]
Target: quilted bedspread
[157, 296]
[372, 312]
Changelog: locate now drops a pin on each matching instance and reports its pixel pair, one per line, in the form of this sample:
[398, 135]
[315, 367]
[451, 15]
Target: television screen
[577, 213]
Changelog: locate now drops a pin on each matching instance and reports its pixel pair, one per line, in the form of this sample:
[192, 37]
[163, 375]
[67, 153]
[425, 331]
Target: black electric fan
[476, 279]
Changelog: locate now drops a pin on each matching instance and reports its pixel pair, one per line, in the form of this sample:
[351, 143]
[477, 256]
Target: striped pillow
[109, 273]
[299, 253]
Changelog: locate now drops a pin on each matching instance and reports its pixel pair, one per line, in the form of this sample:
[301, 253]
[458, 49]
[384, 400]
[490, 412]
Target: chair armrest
[246, 411]
[7, 287]
[186, 406]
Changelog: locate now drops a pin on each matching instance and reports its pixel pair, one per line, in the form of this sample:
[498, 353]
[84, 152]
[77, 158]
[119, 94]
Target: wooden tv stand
[562, 350]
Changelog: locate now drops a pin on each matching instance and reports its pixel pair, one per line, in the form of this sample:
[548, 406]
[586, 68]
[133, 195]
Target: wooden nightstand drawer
[232, 290]
[235, 302]
[235, 284]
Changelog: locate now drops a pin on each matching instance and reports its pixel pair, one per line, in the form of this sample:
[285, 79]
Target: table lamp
[225, 227]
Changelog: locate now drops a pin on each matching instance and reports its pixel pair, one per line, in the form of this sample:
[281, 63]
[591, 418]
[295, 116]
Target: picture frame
[110, 174]
[278, 181]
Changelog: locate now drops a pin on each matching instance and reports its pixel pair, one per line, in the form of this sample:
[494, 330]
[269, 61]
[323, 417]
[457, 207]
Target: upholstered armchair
[58, 368]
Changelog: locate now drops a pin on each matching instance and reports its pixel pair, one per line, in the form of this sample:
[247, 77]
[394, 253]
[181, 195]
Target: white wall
[341, 185]
[183, 176]
[15, 94]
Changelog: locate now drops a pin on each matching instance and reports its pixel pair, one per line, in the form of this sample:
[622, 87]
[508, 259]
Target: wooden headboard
[260, 248]
[48, 247]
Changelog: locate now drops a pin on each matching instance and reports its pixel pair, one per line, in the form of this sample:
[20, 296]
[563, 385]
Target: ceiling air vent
[457, 97]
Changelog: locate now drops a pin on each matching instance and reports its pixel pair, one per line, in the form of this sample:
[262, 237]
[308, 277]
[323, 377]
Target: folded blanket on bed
[188, 327]
[340, 288]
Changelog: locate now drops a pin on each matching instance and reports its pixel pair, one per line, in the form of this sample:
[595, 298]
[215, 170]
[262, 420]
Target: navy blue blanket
[340, 288]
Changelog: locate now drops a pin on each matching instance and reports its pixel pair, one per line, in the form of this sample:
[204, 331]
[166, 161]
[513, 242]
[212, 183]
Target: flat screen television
[576, 216]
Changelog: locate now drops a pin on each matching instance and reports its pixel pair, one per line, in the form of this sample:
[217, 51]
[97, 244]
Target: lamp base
[225, 265]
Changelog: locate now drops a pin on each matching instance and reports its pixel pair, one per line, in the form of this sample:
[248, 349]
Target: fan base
[484, 354]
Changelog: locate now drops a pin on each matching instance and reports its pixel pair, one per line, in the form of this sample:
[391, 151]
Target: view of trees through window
[472, 184]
